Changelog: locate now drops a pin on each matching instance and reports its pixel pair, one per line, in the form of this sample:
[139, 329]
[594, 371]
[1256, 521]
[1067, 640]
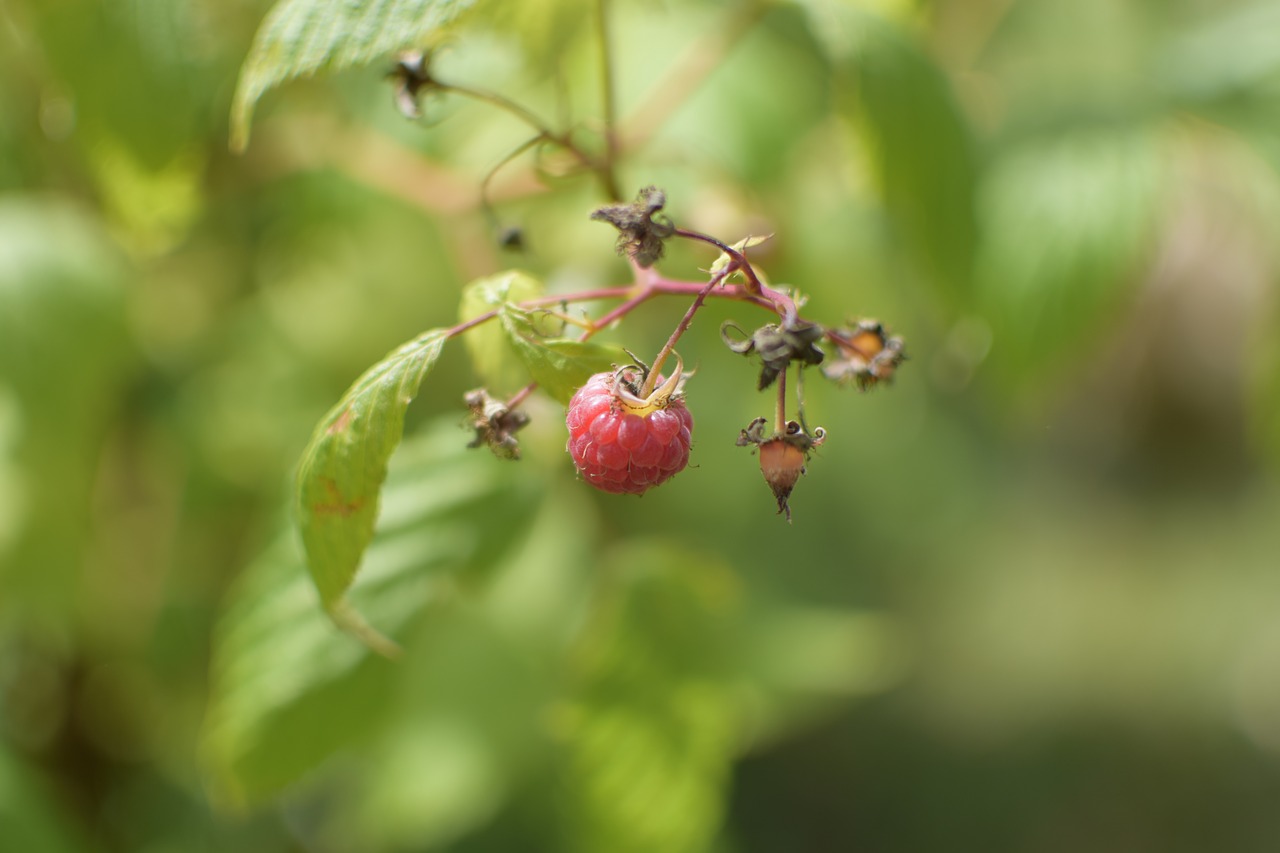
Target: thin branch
[687, 75]
[621, 311]
[486, 203]
[609, 97]
[739, 262]
[520, 396]
[602, 169]
[651, 380]
[780, 414]
[503, 103]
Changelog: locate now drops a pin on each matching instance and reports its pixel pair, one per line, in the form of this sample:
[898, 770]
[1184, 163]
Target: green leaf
[498, 365]
[1066, 224]
[289, 689]
[345, 464]
[301, 37]
[722, 263]
[560, 366]
[919, 140]
[1230, 53]
[654, 718]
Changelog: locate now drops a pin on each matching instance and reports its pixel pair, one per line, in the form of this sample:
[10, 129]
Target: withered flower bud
[868, 355]
[777, 345]
[782, 456]
[511, 238]
[409, 77]
[640, 229]
[494, 423]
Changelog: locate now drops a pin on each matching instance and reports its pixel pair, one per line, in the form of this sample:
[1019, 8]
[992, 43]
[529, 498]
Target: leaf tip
[241, 117]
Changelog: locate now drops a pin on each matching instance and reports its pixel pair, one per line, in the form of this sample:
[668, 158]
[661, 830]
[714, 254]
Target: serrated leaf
[301, 37]
[499, 367]
[560, 366]
[344, 466]
[288, 688]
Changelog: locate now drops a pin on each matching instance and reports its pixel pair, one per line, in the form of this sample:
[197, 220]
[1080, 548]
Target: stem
[687, 75]
[470, 324]
[783, 304]
[653, 285]
[503, 103]
[780, 416]
[608, 93]
[520, 396]
[738, 261]
[485, 203]
[603, 170]
[580, 296]
[621, 311]
[846, 343]
[651, 380]
[804, 424]
[657, 286]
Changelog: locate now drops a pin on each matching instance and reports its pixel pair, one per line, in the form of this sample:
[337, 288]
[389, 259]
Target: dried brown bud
[868, 355]
[783, 456]
[410, 76]
[640, 234]
[495, 424]
[782, 463]
[777, 345]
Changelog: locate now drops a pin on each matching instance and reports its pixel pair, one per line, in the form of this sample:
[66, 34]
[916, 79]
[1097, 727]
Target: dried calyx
[641, 229]
[782, 455]
[495, 425]
[410, 77]
[868, 355]
[630, 390]
[777, 345]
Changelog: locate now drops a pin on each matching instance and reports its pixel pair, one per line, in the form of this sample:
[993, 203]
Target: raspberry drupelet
[623, 443]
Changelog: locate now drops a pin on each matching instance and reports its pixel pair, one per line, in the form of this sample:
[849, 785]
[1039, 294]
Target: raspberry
[623, 444]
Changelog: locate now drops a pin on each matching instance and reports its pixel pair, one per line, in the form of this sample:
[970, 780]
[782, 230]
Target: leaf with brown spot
[341, 423]
[343, 468]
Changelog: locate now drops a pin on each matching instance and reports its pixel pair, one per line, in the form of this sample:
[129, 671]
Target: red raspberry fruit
[623, 443]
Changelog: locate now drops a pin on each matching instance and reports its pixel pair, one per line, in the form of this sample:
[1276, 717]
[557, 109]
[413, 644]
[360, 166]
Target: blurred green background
[1030, 598]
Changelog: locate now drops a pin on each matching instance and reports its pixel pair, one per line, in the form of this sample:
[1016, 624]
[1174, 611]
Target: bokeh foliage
[1028, 599]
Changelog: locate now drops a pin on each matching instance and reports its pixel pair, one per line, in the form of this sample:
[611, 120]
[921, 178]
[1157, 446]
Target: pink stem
[651, 381]
[652, 284]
